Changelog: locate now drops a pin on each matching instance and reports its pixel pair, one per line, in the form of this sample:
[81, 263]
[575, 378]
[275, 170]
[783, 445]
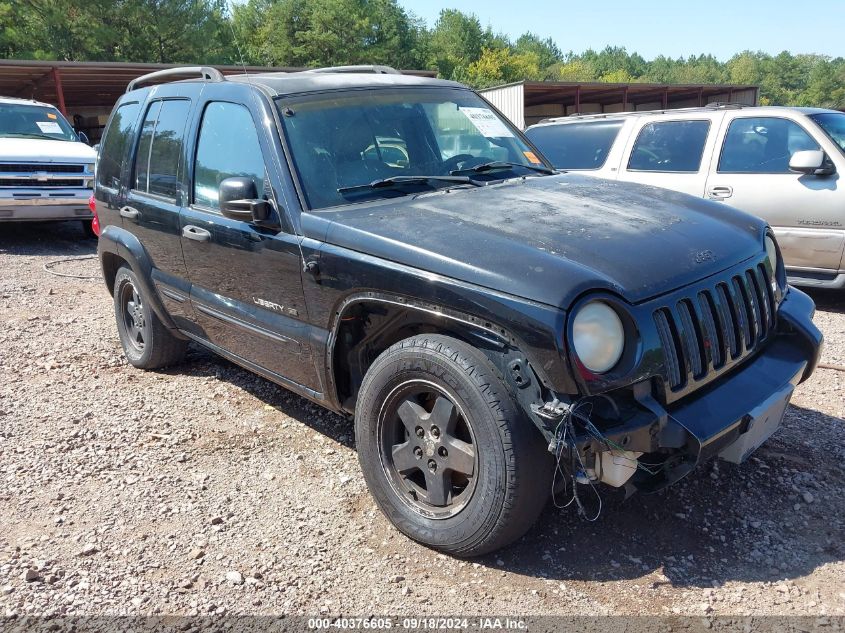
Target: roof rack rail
[731, 105]
[378, 70]
[206, 72]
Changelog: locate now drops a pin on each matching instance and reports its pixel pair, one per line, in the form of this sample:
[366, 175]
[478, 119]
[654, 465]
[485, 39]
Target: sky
[651, 28]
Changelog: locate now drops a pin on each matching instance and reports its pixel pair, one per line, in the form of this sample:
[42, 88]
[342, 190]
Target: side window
[115, 144]
[670, 146]
[228, 146]
[762, 145]
[160, 148]
[576, 145]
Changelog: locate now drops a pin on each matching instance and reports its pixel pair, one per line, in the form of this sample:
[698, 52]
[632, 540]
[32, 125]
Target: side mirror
[83, 137]
[811, 162]
[239, 200]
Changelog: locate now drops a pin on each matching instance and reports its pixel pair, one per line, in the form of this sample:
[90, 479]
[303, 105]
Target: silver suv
[781, 164]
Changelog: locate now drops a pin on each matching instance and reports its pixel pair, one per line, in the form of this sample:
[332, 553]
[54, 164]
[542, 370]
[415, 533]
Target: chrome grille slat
[713, 341]
[743, 314]
[727, 318]
[768, 300]
[690, 338]
[705, 333]
[667, 340]
[754, 299]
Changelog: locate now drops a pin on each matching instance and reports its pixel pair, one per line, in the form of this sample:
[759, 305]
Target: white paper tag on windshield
[487, 122]
[49, 127]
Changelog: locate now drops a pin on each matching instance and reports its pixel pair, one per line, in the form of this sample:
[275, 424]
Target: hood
[36, 150]
[549, 239]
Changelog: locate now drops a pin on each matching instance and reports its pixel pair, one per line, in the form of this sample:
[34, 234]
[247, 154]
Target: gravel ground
[204, 489]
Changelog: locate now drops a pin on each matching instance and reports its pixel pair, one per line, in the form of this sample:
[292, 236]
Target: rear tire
[447, 453]
[147, 342]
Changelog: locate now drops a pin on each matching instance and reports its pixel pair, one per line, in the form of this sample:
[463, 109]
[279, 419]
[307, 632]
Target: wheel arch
[366, 324]
[117, 247]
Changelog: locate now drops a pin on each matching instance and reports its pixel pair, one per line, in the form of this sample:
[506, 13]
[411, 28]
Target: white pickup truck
[45, 170]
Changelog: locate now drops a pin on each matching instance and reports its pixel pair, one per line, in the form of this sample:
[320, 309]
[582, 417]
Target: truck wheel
[88, 229]
[446, 452]
[146, 342]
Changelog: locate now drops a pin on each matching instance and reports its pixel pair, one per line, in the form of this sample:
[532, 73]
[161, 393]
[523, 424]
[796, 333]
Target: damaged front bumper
[655, 446]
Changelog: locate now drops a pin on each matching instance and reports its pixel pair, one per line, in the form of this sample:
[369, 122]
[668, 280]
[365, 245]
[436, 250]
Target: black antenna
[274, 158]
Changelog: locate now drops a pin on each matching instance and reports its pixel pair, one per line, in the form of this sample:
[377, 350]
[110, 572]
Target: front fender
[122, 244]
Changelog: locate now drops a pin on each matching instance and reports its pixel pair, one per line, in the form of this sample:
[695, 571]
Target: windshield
[31, 121]
[576, 145]
[833, 123]
[407, 140]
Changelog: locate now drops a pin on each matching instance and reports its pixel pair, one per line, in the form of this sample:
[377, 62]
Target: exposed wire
[565, 439]
[832, 366]
[48, 267]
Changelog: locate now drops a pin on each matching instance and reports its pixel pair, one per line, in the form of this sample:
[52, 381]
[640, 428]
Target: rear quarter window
[670, 146]
[576, 145]
[158, 159]
[115, 143]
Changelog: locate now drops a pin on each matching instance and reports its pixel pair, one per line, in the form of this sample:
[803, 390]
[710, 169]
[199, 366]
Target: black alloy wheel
[428, 449]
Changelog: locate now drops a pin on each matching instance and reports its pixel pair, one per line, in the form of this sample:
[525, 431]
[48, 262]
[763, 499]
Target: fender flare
[120, 242]
[484, 329]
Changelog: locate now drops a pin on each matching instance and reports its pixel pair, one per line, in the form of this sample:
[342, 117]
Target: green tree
[329, 32]
[502, 65]
[457, 40]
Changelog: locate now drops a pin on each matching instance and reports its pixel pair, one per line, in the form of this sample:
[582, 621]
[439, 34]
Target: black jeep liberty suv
[392, 248]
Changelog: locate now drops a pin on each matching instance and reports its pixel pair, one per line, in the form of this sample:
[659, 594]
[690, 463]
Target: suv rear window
[576, 145]
[160, 148]
[670, 146]
[114, 145]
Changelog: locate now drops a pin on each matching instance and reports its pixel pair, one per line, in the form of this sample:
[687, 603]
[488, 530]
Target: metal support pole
[578, 99]
[60, 93]
[625, 99]
[666, 98]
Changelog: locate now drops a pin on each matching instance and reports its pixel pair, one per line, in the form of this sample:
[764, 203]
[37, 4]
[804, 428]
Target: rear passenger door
[752, 173]
[246, 283]
[672, 152]
[151, 209]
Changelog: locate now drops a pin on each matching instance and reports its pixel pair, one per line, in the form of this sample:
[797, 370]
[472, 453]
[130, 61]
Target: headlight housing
[598, 336]
[772, 254]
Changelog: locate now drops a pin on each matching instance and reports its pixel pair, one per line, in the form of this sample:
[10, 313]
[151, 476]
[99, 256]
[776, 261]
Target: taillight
[95, 223]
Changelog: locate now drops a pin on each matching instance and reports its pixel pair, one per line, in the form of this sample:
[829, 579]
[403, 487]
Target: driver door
[752, 174]
[246, 287]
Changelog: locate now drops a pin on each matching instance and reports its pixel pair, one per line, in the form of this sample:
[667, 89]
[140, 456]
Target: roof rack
[206, 72]
[378, 70]
[627, 113]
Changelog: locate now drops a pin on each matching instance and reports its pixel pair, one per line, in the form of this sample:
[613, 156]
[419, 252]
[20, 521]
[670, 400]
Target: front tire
[147, 342]
[446, 452]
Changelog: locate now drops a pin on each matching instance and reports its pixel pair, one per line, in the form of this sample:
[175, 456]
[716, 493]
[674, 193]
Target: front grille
[704, 333]
[30, 168]
[41, 184]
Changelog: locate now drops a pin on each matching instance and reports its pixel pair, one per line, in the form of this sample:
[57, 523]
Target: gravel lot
[204, 489]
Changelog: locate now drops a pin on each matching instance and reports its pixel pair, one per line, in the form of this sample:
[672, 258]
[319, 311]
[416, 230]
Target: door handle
[195, 233]
[720, 193]
[129, 213]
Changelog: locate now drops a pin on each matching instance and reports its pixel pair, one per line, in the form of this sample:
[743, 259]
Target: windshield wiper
[33, 135]
[397, 181]
[501, 164]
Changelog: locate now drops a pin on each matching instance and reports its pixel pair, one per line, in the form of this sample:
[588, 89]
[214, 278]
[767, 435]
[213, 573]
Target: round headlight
[598, 336]
[772, 254]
